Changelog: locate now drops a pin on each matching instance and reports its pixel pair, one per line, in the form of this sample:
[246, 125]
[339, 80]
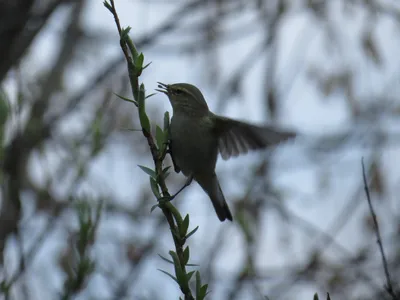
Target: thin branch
[389, 287]
[173, 217]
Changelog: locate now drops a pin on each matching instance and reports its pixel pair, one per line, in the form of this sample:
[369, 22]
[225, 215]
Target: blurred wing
[237, 137]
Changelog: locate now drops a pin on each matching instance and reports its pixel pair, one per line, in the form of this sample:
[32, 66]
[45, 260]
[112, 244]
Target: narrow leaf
[165, 172]
[192, 232]
[130, 129]
[166, 273]
[148, 171]
[144, 119]
[125, 33]
[198, 284]
[166, 121]
[160, 138]
[180, 275]
[139, 62]
[203, 291]
[192, 265]
[175, 258]
[4, 109]
[153, 207]
[154, 187]
[186, 254]
[189, 275]
[184, 226]
[108, 6]
[151, 95]
[127, 99]
[146, 65]
[166, 259]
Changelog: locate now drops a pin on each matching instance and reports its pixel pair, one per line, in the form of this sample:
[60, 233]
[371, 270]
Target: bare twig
[389, 286]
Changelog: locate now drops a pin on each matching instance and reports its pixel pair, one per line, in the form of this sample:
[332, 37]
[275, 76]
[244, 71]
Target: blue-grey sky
[316, 189]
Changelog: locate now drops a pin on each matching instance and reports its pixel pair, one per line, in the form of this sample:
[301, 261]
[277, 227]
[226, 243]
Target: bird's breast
[193, 144]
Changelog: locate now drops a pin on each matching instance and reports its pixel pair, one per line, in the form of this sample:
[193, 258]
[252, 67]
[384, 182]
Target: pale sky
[304, 108]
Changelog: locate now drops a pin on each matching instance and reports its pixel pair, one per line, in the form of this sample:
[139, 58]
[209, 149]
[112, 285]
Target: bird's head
[184, 98]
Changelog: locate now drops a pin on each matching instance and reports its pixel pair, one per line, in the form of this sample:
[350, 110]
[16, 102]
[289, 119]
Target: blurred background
[327, 69]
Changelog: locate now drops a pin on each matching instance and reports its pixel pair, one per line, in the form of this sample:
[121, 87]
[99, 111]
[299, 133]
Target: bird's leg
[187, 183]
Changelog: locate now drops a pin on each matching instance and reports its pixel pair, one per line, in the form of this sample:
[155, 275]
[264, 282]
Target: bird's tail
[210, 185]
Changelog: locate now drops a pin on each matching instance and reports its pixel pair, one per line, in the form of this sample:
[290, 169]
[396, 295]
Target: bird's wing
[235, 137]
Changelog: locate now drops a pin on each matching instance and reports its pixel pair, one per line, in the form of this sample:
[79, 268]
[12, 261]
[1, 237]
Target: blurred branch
[27, 259]
[389, 286]
[78, 263]
[35, 133]
[19, 26]
[382, 7]
[122, 289]
[147, 40]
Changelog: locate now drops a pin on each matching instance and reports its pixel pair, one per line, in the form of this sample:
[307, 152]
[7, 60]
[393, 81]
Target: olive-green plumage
[197, 136]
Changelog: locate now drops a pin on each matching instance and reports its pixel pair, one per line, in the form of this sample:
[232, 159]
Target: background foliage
[75, 210]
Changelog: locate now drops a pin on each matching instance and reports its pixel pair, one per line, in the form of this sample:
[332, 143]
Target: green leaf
[198, 284]
[189, 275]
[148, 171]
[4, 287]
[316, 296]
[127, 99]
[175, 258]
[125, 33]
[184, 227]
[168, 275]
[180, 275]
[192, 265]
[154, 188]
[97, 137]
[160, 138]
[192, 232]
[203, 291]
[108, 6]
[130, 129]
[166, 259]
[151, 95]
[135, 54]
[165, 172]
[138, 62]
[4, 108]
[146, 65]
[144, 119]
[166, 121]
[186, 255]
[154, 207]
[166, 175]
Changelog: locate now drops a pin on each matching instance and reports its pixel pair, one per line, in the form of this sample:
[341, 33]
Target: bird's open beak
[163, 88]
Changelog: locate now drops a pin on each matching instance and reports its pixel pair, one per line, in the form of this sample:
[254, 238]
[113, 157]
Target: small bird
[197, 136]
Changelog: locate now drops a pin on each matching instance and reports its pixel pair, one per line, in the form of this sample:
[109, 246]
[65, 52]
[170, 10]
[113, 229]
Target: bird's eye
[178, 91]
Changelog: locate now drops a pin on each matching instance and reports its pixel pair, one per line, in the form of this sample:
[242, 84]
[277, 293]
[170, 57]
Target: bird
[197, 136]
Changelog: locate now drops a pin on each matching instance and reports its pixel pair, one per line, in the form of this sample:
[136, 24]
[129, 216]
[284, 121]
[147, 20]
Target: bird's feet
[170, 198]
